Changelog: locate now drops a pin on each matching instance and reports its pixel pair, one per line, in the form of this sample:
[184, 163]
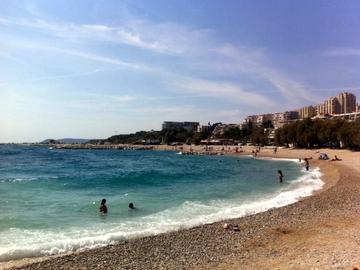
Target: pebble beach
[317, 232]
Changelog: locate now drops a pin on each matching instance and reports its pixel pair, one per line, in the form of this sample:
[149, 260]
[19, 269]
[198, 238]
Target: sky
[94, 68]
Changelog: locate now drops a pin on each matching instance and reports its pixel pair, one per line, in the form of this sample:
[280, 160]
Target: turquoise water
[49, 198]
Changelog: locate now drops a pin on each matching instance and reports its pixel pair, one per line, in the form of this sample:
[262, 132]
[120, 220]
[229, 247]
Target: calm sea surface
[49, 199]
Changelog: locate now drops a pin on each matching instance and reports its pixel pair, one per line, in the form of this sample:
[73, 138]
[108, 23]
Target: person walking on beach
[281, 176]
[103, 208]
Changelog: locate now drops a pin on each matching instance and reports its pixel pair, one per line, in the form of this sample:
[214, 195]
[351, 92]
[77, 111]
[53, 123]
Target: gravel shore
[318, 232]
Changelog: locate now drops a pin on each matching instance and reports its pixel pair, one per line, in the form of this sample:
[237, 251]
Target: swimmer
[131, 206]
[103, 208]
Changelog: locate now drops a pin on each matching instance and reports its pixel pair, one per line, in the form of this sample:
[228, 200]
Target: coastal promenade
[318, 232]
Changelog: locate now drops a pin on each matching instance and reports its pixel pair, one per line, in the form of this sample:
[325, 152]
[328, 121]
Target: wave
[279, 159]
[33, 243]
[22, 179]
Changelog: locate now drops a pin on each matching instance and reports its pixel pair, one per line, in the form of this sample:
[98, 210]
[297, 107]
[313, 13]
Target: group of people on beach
[103, 208]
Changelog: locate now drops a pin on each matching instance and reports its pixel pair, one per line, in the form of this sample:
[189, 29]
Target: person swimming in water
[103, 208]
[281, 176]
[131, 206]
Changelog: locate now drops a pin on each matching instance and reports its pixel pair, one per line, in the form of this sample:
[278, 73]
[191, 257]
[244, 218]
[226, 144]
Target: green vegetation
[336, 133]
[166, 136]
[309, 133]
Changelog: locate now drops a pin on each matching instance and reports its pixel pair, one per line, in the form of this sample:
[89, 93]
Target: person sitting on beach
[103, 208]
[131, 206]
[281, 176]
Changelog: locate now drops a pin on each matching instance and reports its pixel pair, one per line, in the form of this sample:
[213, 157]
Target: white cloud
[177, 39]
[198, 48]
[98, 101]
[223, 90]
[343, 52]
[84, 55]
[167, 38]
[256, 61]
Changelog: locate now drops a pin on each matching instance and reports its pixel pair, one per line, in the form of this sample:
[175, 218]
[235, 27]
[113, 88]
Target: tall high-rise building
[320, 109]
[306, 112]
[347, 102]
[332, 106]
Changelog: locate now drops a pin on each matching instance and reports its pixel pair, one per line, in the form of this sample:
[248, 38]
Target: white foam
[19, 179]
[17, 243]
[279, 159]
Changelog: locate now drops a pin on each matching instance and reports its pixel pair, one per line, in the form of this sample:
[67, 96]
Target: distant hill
[66, 140]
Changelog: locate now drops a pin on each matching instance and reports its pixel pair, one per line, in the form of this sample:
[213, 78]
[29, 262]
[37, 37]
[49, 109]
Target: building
[281, 119]
[347, 102]
[291, 115]
[320, 109]
[306, 112]
[343, 103]
[276, 119]
[259, 119]
[332, 106]
[341, 106]
[189, 126]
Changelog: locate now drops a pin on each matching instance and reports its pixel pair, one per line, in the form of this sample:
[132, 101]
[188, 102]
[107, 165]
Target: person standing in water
[281, 176]
[103, 208]
[306, 163]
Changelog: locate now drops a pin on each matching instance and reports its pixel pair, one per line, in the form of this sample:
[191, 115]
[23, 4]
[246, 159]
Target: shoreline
[220, 249]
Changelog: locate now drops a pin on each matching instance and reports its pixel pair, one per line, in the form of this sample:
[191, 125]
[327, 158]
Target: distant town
[261, 129]
[342, 106]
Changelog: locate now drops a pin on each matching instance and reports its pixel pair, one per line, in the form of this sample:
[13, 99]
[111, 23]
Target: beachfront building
[343, 103]
[329, 107]
[189, 126]
[347, 102]
[277, 120]
[320, 109]
[258, 120]
[306, 112]
[332, 106]
[342, 106]
[281, 119]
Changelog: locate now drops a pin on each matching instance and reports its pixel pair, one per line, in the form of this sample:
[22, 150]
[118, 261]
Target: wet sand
[318, 232]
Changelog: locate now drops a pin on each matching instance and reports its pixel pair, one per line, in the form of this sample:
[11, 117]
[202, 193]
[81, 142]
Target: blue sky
[89, 69]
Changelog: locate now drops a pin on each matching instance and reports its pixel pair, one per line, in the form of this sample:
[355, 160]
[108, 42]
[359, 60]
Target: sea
[50, 198]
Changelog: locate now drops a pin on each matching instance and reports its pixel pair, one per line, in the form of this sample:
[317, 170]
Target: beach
[317, 232]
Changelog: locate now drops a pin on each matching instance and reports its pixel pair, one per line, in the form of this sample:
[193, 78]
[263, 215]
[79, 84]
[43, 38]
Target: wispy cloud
[178, 39]
[223, 90]
[343, 52]
[256, 61]
[167, 38]
[211, 55]
[82, 54]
